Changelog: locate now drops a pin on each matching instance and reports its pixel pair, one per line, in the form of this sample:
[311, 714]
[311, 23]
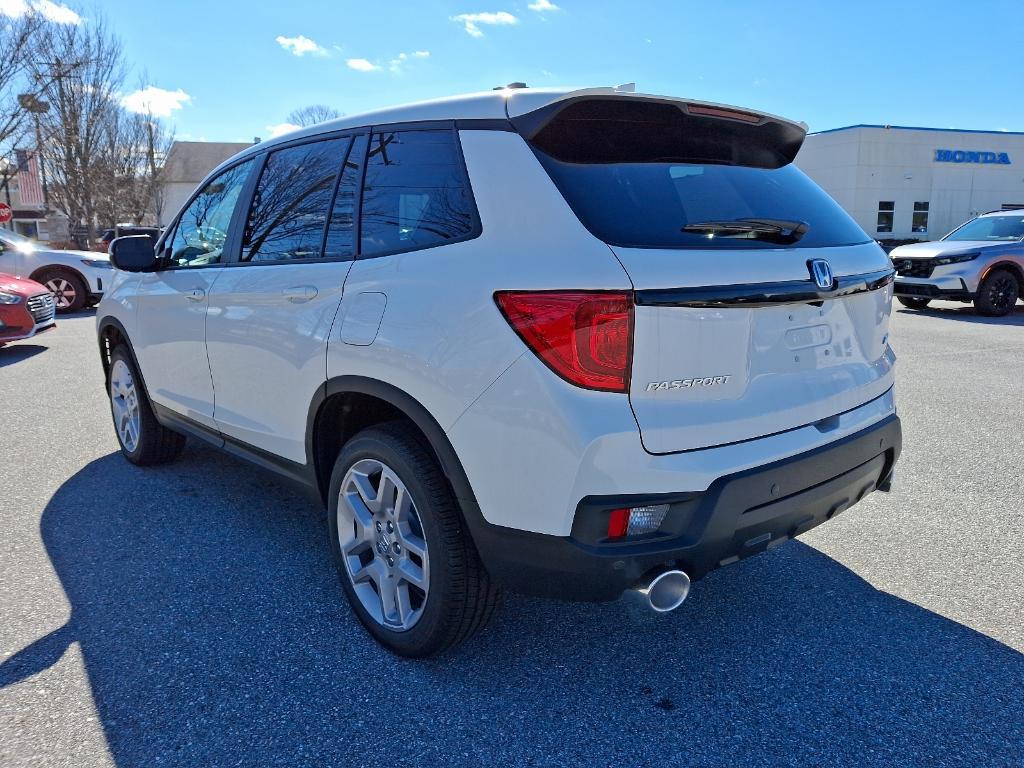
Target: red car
[26, 308]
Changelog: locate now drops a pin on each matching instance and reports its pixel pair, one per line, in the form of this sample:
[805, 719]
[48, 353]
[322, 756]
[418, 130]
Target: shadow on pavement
[16, 352]
[966, 313]
[214, 632]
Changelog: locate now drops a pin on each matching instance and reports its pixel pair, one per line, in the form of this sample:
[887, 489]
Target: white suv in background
[980, 261]
[76, 279]
[570, 343]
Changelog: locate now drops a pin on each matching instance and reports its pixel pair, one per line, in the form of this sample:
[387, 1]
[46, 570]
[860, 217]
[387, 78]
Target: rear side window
[648, 175]
[341, 232]
[289, 210]
[415, 194]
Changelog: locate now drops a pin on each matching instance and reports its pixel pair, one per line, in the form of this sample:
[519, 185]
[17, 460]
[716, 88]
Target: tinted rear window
[637, 176]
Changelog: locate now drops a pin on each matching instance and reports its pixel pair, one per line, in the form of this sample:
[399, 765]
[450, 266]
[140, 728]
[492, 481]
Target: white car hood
[940, 248]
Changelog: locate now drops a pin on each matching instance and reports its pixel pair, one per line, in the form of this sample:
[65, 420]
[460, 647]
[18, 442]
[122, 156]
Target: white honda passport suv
[569, 343]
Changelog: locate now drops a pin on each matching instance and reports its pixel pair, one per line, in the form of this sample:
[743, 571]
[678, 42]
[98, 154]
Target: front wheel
[406, 562]
[143, 439]
[910, 303]
[997, 293]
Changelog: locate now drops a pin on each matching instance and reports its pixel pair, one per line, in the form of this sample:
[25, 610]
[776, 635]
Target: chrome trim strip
[762, 294]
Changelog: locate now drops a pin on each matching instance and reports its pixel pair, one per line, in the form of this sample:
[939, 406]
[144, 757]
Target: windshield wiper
[781, 231]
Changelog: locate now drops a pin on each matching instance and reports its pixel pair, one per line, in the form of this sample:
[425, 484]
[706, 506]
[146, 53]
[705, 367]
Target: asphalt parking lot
[189, 615]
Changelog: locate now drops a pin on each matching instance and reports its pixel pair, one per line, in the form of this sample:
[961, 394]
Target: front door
[173, 303]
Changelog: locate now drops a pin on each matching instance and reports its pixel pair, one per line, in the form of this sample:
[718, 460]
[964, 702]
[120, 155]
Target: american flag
[30, 189]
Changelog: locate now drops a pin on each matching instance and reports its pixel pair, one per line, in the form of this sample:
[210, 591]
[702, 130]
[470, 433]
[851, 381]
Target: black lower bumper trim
[926, 291]
[737, 516]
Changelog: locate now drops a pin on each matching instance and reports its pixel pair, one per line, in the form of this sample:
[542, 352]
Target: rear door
[760, 305]
[271, 311]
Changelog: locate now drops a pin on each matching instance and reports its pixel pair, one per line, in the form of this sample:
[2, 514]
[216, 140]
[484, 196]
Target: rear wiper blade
[777, 230]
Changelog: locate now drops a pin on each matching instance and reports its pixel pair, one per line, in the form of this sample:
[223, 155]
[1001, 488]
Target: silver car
[980, 261]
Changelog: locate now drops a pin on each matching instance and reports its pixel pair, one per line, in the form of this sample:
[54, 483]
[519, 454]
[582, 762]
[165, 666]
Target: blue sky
[233, 71]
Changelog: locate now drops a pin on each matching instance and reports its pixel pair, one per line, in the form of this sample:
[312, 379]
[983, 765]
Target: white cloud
[300, 45]
[155, 101]
[362, 65]
[471, 21]
[395, 65]
[49, 10]
[282, 128]
[540, 6]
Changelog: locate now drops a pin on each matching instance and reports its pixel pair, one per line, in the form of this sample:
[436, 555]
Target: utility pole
[31, 103]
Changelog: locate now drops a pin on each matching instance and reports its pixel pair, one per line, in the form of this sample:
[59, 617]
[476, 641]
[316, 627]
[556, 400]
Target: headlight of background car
[101, 263]
[956, 259]
[9, 298]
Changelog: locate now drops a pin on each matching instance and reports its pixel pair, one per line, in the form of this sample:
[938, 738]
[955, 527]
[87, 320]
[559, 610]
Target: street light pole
[39, 153]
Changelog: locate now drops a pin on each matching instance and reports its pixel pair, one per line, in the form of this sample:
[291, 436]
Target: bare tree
[313, 114]
[18, 46]
[79, 77]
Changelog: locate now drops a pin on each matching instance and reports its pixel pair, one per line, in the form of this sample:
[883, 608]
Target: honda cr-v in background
[570, 343]
[980, 261]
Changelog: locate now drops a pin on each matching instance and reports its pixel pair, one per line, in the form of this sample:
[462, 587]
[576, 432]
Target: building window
[920, 221]
[886, 210]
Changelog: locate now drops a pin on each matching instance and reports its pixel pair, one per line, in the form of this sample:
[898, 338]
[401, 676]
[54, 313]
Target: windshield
[15, 240]
[995, 228]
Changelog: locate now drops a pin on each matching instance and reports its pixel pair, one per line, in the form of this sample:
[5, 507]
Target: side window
[341, 233]
[203, 227]
[416, 194]
[289, 209]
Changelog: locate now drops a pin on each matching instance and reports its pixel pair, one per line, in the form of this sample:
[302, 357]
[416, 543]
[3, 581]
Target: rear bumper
[737, 516]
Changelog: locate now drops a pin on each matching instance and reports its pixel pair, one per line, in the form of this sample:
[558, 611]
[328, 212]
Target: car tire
[144, 440]
[405, 559]
[68, 288]
[911, 303]
[998, 293]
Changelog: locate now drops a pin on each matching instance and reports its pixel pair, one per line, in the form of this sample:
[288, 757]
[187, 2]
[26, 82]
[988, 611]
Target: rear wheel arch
[345, 405]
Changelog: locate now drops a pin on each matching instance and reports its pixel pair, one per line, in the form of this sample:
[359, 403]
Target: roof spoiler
[767, 133]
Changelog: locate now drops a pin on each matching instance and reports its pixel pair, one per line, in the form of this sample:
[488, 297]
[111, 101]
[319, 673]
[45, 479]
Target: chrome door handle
[300, 293]
[196, 294]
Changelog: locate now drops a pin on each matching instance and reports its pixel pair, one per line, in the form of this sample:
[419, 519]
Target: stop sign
[5, 213]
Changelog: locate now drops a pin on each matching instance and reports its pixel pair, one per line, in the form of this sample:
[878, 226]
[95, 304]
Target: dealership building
[916, 183]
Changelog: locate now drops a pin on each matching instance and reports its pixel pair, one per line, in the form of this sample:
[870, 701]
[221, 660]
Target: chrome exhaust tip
[666, 591]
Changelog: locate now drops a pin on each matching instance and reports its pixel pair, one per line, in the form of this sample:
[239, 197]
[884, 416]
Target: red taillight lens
[618, 523]
[586, 338]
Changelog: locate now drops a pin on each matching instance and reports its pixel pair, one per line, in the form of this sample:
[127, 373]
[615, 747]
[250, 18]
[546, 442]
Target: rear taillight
[584, 337]
[634, 521]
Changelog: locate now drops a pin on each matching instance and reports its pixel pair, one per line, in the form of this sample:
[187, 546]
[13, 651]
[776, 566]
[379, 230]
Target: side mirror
[133, 253]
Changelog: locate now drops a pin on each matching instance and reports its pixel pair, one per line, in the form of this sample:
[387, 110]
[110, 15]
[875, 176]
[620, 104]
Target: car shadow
[966, 314]
[214, 632]
[15, 352]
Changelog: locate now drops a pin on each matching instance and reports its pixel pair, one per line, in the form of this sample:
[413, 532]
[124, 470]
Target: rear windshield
[638, 177]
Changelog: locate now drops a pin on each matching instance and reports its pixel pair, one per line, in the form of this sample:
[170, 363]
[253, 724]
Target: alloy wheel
[124, 399]
[63, 292]
[383, 545]
[1001, 292]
